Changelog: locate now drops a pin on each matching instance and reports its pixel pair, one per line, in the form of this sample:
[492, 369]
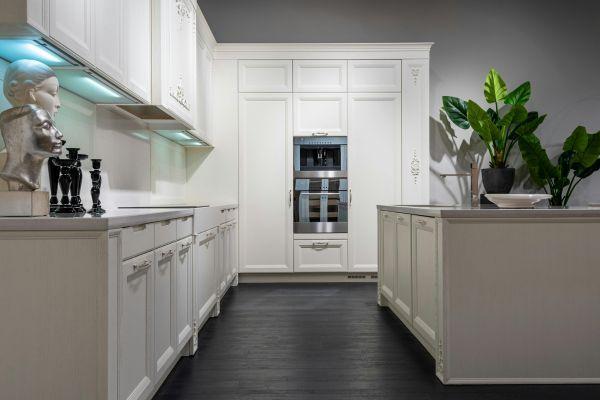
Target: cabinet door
[37, 14]
[137, 47]
[320, 114]
[265, 170]
[320, 256]
[183, 278]
[204, 78]
[403, 294]
[136, 328]
[374, 140]
[320, 75]
[205, 288]
[71, 25]
[374, 75]
[424, 271]
[226, 249]
[233, 243]
[269, 76]
[222, 260]
[387, 270]
[108, 38]
[165, 340]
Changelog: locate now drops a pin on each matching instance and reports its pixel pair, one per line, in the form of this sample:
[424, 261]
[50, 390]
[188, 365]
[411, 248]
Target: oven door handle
[335, 194]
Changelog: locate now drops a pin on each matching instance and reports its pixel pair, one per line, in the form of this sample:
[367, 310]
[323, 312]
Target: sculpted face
[46, 96]
[47, 136]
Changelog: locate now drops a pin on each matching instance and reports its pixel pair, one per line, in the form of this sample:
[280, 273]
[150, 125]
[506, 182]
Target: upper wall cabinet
[320, 114]
[274, 76]
[138, 47]
[71, 25]
[38, 15]
[374, 75]
[174, 57]
[204, 92]
[109, 48]
[320, 76]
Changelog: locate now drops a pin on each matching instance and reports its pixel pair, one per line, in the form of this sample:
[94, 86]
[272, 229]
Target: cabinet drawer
[138, 264]
[320, 255]
[273, 76]
[320, 75]
[165, 232]
[137, 239]
[184, 227]
[374, 76]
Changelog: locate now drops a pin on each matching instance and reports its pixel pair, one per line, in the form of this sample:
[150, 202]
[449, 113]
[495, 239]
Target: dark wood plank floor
[321, 341]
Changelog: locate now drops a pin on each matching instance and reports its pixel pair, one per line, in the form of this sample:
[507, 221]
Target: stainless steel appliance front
[320, 185]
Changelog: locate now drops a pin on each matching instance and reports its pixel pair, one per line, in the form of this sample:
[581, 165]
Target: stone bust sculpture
[28, 129]
[30, 137]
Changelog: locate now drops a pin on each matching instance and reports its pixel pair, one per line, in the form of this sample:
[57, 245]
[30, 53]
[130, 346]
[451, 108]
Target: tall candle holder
[96, 176]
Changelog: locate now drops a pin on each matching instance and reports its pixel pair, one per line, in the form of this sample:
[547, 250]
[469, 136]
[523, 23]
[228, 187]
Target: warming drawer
[320, 255]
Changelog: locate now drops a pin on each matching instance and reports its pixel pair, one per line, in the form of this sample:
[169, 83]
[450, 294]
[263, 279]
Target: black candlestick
[95, 191]
[53, 175]
[64, 182]
[76, 178]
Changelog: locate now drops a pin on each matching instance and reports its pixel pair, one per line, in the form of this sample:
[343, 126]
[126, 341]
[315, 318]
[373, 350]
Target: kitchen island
[496, 295]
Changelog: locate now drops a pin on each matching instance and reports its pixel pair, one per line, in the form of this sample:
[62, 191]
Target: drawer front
[320, 255]
[228, 214]
[184, 227]
[206, 218]
[320, 75]
[165, 232]
[273, 76]
[374, 76]
[137, 239]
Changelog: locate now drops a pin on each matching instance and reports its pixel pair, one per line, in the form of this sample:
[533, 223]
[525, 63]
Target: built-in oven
[320, 185]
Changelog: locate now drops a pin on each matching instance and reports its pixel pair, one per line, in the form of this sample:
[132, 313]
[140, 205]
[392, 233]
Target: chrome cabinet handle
[320, 133]
[186, 245]
[399, 218]
[164, 254]
[350, 194]
[141, 267]
[290, 198]
[320, 244]
[421, 222]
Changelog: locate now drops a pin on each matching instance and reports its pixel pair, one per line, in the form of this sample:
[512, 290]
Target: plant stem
[570, 190]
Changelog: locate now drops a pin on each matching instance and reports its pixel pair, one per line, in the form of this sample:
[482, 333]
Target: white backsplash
[139, 167]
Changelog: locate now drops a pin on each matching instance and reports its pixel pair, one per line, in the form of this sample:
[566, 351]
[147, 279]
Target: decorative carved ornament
[415, 72]
[415, 166]
[178, 94]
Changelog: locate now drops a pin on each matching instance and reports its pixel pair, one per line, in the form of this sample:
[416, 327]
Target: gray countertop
[113, 219]
[467, 212]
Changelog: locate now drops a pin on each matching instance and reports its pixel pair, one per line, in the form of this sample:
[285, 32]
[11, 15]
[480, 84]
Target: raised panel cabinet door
[226, 253]
[403, 294]
[374, 175]
[265, 185]
[424, 277]
[205, 288]
[38, 14]
[135, 327]
[183, 290]
[324, 114]
[109, 37]
[374, 76]
[165, 340]
[233, 249]
[265, 76]
[204, 82]
[221, 260]
[320, 75]
[320, 256]
[71, 24]
[137, 42]
[387, 271]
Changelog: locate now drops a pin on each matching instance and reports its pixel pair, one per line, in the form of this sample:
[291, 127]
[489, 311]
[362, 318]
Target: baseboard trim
[331, 277]
[522, 381]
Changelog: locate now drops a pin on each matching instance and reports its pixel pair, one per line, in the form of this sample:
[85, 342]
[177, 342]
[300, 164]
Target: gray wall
[555, 45]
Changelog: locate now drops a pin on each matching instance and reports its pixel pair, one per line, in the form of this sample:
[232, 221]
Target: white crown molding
[204, 29]
[322, 50]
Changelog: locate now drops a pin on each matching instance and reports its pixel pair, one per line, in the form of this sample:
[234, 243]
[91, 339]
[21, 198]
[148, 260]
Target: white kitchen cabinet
[204, 93]
[204, 275]
[320, 76]
[109, 51]
[403, 292]
[320, 114]
[38, 15]
[424, 277]
[137, 43]
[233, 251]
[71, 24]
[136, 338]
[374, 76]
[265, 185]
[269, 76]
[226, 252]
[222, 259]
[387, 270]
[174, 55]
[165, 340]
[374, 176]
[320, 256]
[183, 279]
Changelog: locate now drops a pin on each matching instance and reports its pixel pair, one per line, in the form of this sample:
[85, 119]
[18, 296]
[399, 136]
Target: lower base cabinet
[183, 279]
[136, 330]
[204, 275]
[165, 339]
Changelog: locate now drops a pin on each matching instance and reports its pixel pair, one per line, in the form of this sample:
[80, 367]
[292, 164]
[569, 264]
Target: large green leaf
[516, 115]
[493, 115]
[529, 126]
[591, 152]
[481, 122]
[520, 95]
[578, 140]
[536, 158]
[583, 172]
[494, 88]
[456, 109]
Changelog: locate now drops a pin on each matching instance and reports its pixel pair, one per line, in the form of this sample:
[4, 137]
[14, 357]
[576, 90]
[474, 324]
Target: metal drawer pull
[138, 227]
[421, 222]
[320, 244]
[320, 133]
[399, 218]
[141, 267]
[168, 253]
[186, 245]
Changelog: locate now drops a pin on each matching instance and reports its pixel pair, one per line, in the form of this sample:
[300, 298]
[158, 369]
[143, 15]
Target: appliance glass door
[320, 205]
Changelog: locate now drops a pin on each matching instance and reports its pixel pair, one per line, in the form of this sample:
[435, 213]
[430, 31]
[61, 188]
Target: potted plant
[499, 128]
[579, 159]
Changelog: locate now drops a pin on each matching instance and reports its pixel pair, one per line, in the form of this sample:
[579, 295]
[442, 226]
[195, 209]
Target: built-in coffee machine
[320, 184]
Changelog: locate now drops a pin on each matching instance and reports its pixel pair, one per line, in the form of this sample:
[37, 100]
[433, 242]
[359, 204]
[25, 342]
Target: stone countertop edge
[112, 219]
[467, 212]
